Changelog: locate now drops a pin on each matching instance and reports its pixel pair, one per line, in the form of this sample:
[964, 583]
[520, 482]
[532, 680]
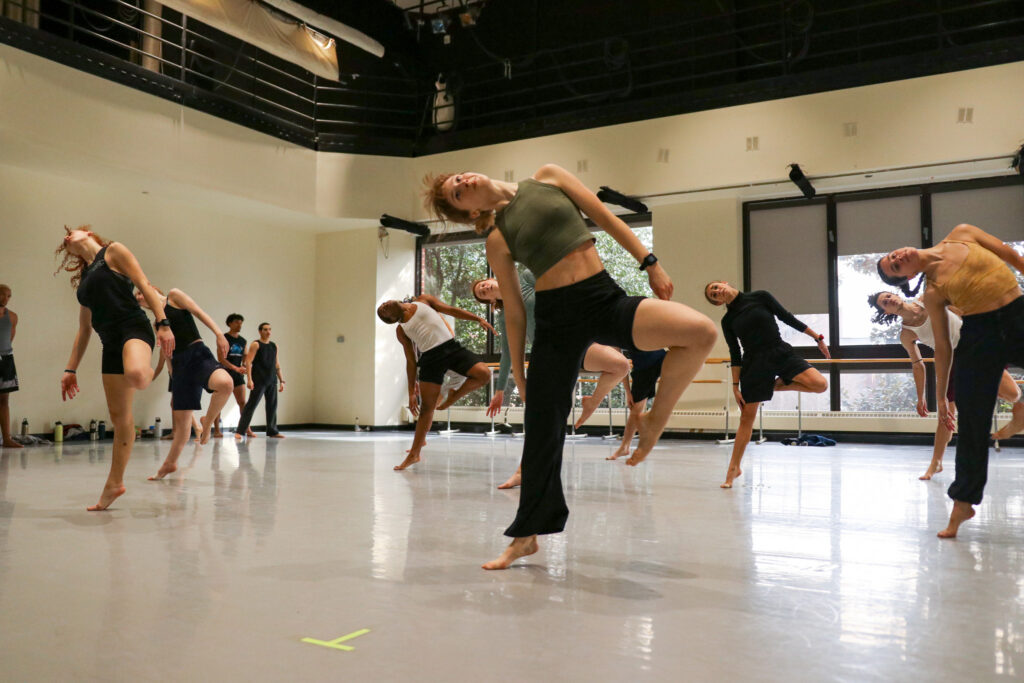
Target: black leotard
[183, 325]
[751, 318]
[109, 295]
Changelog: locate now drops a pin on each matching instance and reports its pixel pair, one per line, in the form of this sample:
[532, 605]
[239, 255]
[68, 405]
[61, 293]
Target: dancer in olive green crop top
[539, 224]
[968, 270]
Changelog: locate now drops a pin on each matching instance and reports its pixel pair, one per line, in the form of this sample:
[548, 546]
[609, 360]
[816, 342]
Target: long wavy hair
[72, 263]
[880, 317]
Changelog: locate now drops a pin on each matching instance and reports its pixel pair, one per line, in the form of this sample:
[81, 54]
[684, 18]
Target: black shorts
[761, 367]
[236, 377]
[192, 369]
[450, 355]
[8, 375]
[117, 336]
[643, 381]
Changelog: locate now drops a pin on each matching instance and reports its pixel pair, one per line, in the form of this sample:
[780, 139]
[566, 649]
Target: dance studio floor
[821, 565]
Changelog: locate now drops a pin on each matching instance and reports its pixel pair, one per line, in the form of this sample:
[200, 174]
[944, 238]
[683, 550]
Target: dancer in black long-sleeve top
[765, 364]
[264, 375]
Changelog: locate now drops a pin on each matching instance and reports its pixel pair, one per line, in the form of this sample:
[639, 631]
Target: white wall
[226, 264]
[396, 279]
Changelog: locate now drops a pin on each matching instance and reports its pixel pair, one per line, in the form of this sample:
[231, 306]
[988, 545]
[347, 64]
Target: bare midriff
[579, 264]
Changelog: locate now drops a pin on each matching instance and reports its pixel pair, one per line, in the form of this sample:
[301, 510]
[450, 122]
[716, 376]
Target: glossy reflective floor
[822, 564]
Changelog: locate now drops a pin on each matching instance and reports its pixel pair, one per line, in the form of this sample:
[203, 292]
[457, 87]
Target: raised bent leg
[428, 399]
[221, 385]
[119, 402]
[1010, 392]
[136, 355]
[612, 365]
[809, 381]
[478, 376]
[689, 336]
[747, 416]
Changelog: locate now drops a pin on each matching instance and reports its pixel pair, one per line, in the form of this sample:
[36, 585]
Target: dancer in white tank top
[420, 326]
[917, 329]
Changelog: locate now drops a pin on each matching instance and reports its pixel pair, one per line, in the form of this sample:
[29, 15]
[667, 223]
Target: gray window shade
[996, 210]
[873, 226]
[789, 256]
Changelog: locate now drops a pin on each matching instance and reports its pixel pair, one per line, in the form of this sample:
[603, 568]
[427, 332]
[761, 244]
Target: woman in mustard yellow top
[967, 270]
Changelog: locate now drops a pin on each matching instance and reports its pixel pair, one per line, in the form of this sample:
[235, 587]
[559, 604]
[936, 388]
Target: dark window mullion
[833, 301]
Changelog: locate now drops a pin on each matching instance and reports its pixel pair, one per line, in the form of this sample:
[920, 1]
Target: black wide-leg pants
[988, 343]
[268, 390]
[569, 319]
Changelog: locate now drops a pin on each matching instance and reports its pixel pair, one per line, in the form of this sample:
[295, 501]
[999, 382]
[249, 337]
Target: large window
[450, 264]
[819, 259]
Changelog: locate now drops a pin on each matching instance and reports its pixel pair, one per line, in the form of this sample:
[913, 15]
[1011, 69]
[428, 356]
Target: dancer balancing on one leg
[916, 329]
[539, 224]
[967, 270]
[264, 376]
[420, 326]
[105, 274]
[8, 371]
[234, 363]
[609, 362]
[640, 386]
[765, 364]
[193, 369]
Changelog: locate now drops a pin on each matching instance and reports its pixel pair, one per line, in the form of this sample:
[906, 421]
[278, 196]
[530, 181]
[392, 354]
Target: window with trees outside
[818, 257]
[451, 263]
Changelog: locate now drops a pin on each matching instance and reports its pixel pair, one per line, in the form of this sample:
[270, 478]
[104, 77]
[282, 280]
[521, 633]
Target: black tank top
[264, 363]
[236, 349]
[183, 325]
[109, 295]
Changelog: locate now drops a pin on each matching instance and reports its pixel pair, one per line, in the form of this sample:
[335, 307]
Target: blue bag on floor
[809, 440]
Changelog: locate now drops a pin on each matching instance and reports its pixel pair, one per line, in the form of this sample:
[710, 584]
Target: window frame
[925, 191]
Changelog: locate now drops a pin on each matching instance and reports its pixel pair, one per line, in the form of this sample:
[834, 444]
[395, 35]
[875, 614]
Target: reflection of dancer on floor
[264, 375]
[197, 429]
[916, 329]
[971, 265]
[104, 274]
[8, 371]
[234, 362]
[194, 369]
[420, 326]
[640, 384]
[609, 362]
[539, 224]
[765, 364]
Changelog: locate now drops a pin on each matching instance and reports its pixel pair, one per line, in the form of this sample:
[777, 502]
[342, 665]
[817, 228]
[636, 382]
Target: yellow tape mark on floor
[336, 644]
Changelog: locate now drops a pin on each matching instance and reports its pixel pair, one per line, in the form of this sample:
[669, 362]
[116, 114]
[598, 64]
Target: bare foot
[519, 547]
[109, 495]
[646, 443]
[731, 474]
[11, 443]
[411, 459]
[623, 450]
[238, 437]
[249, 432]
[164, 470]
[961, 513]
[207, 425]
[933, 468]
[217, 434]
[447, 403]
[279, 435]
[513, 481]
[587, 407]
[1014, 426]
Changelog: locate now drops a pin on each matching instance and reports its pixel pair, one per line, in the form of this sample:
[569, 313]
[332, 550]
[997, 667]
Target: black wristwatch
[649, 260]
[162, 323]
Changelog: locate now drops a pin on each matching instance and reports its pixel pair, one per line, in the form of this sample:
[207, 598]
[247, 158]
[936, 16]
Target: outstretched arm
[1001, 249]
[410, 371]
[69, 380]
[180, 299]
[596, 211]
[785, 316]
[124, 262]
[909, 341]
[453, 311]
[504, 267]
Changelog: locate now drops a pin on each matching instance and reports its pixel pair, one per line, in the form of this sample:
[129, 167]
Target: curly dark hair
[880, 317]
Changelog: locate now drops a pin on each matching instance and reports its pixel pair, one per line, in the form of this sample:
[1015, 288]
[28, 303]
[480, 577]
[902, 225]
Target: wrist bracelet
[71, 371]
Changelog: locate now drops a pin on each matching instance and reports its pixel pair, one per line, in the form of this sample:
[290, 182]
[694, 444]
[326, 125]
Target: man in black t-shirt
[765, 364]
[234, 363]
